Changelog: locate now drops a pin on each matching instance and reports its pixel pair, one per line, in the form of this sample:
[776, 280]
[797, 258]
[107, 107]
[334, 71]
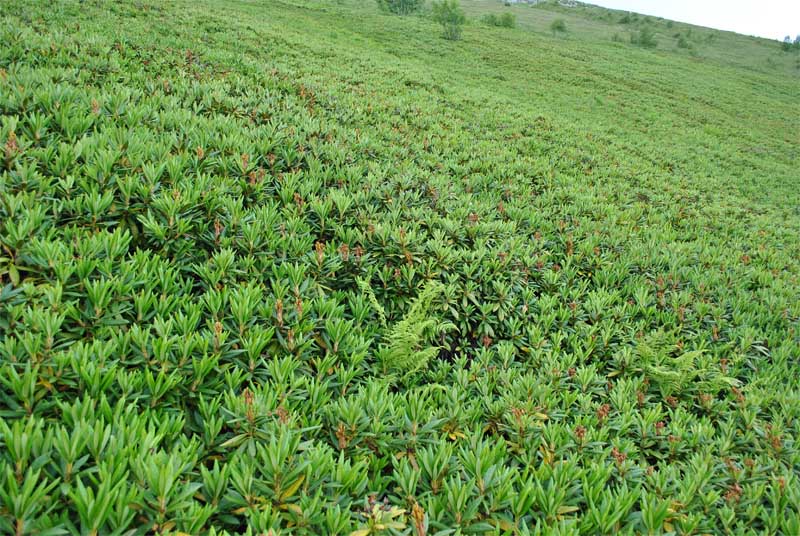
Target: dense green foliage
[504, 20]
[788, 45]
[308, 268]
[558, 26]
[400, 7]
[645, 37]
[449, 14]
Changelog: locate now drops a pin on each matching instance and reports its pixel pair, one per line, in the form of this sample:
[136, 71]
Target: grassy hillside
[595, 24]
[307, 268]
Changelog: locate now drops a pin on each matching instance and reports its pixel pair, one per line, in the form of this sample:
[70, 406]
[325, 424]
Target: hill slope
[590, 23]
[216, 217]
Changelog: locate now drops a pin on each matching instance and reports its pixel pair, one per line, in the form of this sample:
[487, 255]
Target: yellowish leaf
[46, 384]
[395, 511]
[293, 488]
[292, 508]
[503, 524]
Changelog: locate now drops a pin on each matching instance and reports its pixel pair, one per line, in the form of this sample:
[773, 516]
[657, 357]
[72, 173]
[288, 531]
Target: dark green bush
[400, 7]
[787, 45]
[644, 38]
[558, 26]
[449, 14]
[506, 20]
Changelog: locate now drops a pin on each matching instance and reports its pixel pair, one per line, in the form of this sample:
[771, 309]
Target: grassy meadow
[305, 267]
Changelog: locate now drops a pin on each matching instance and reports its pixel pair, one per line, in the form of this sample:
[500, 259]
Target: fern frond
[404, 347]
[365, 287]
[676, 374]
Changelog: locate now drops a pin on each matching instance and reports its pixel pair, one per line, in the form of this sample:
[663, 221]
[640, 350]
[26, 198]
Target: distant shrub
[644, 38]
[670, 24]
[558, 26]
[626, 19]
[616, 38]
[400, 7]
[449, 14]
[506, 20]
[788, 45]
[683, 43]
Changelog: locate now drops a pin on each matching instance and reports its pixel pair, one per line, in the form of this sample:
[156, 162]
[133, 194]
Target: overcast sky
[774, 19]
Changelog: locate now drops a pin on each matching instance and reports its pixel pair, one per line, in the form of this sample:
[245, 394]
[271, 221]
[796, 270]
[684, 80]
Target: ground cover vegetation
[308, 268]
[593, 24]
